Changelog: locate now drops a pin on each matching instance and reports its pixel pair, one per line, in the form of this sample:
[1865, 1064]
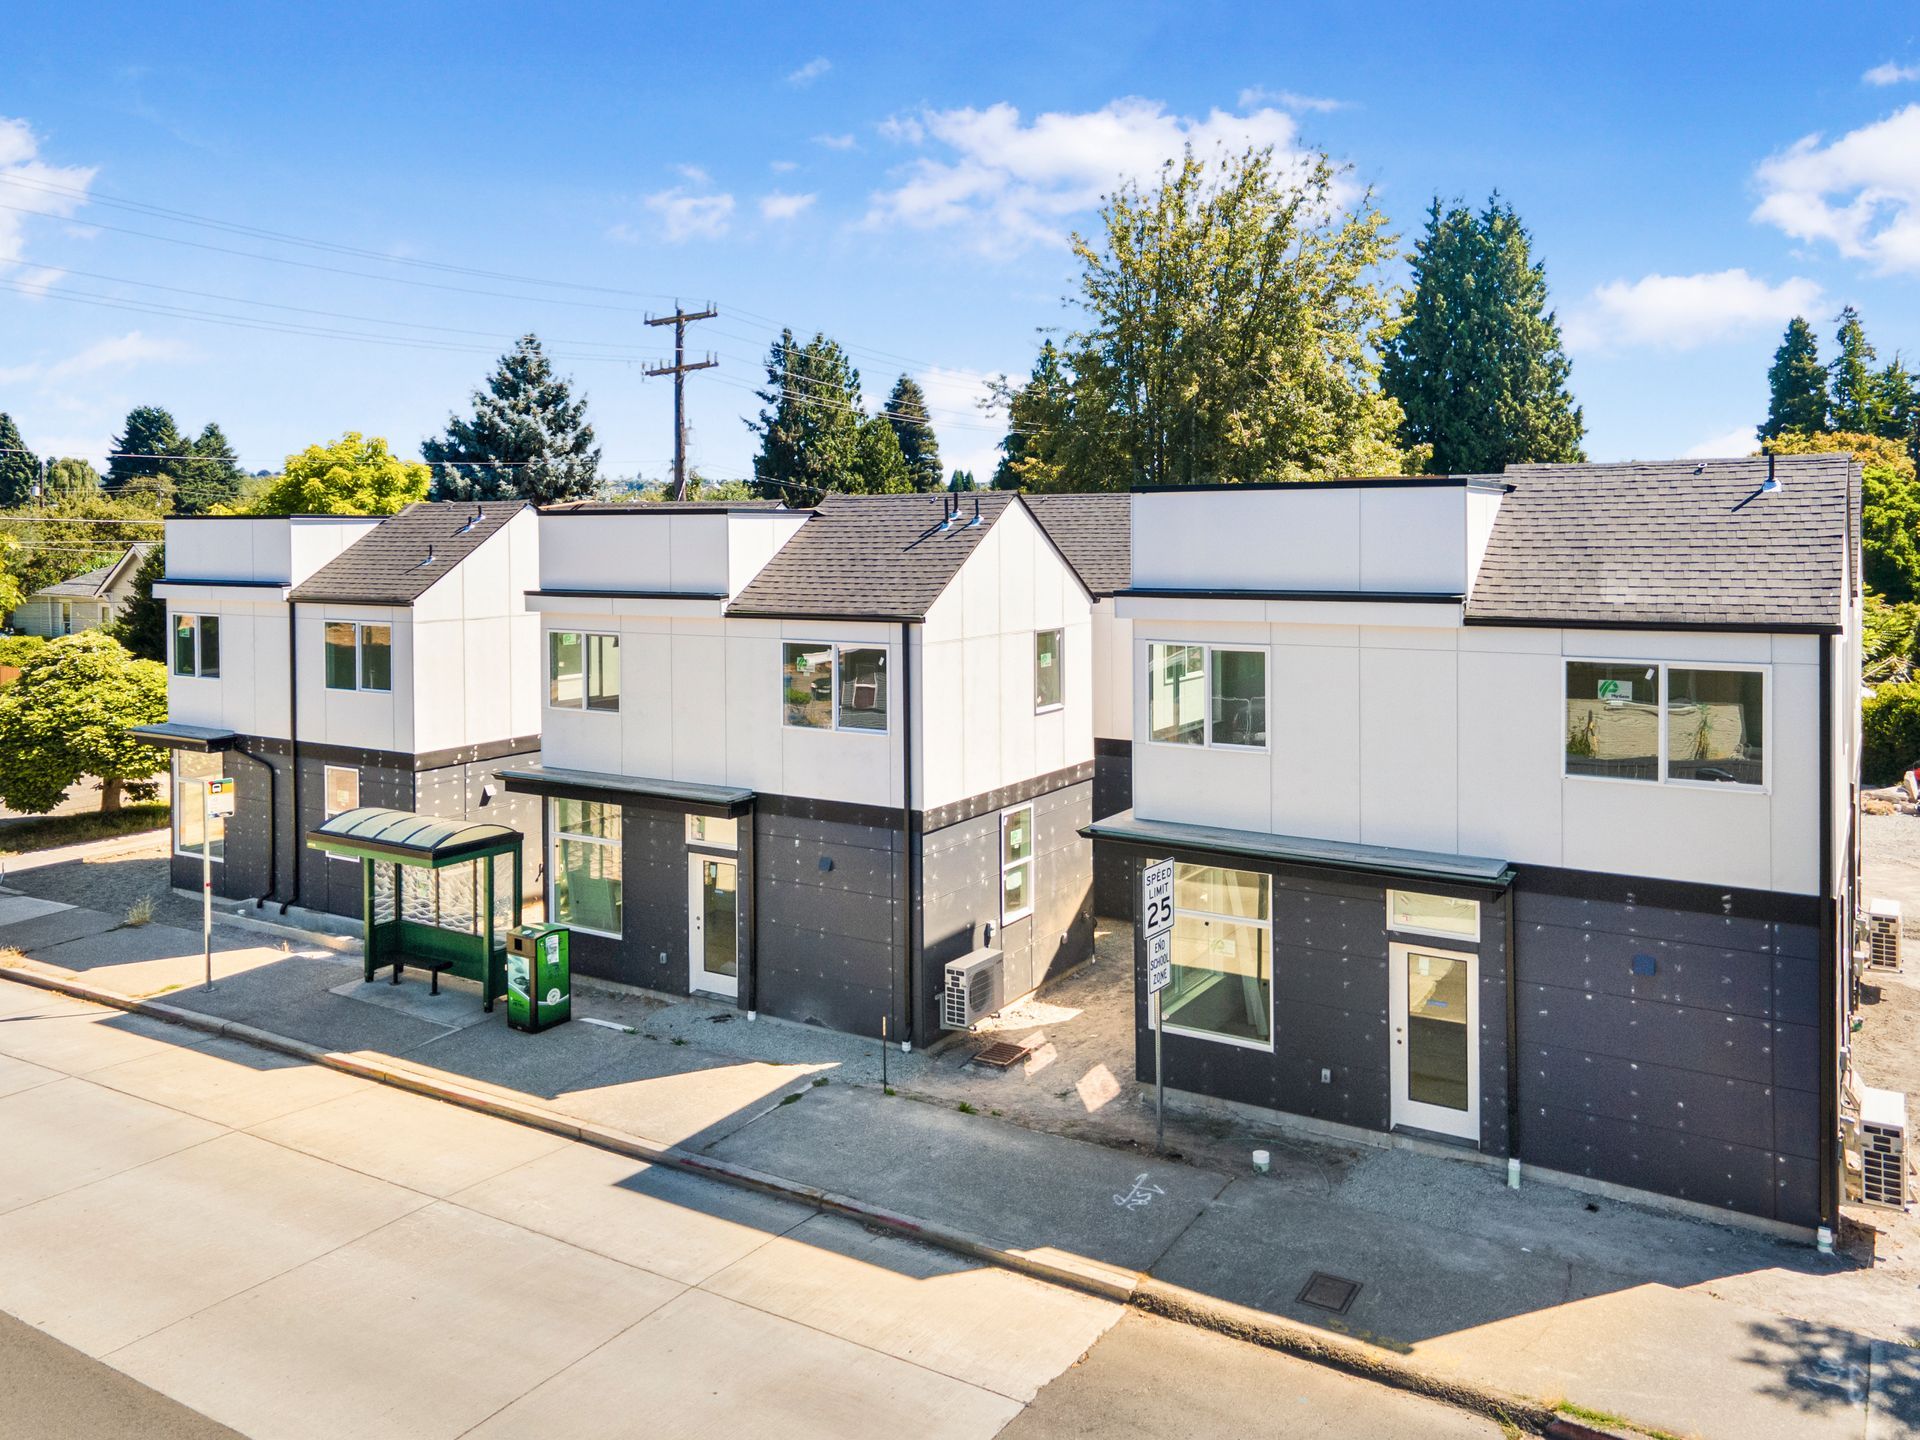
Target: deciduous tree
[352, 476]
[527, 438]
[67, 717]
[1889, 505]
[1477, 364]
[1231, 320]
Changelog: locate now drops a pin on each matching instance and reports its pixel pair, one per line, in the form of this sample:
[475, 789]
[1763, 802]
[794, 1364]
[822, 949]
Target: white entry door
[713, 934]
[1434, 997]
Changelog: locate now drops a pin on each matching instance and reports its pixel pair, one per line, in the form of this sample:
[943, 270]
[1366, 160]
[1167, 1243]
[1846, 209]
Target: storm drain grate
[1329, 1292]
[1001, 1054]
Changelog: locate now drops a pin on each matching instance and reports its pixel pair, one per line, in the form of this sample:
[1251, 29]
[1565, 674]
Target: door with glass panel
[713, 908]
[1435, 1015]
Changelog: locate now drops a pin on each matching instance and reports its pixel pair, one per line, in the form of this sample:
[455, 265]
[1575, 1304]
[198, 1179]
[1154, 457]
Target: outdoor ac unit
[1883, 1148]
[974, 989]
[1883, 934]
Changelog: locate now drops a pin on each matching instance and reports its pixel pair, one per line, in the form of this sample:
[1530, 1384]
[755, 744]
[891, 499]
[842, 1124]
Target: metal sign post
[1156, 924]
[216, 802]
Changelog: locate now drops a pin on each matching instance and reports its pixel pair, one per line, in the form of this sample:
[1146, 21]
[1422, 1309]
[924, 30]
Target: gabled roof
[94, 583]
[659, 507]
[1094, 532]
[400, 559]
[1688, 543]
[871, 557]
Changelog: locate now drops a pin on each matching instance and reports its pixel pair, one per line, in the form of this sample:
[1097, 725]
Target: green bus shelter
[431, 892]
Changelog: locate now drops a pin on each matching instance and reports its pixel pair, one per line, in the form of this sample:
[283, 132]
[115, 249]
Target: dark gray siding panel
[1697, 1080]
[1331, 1057]
[960, 889]
[1116, 869]
[831, 935]
[652, 948]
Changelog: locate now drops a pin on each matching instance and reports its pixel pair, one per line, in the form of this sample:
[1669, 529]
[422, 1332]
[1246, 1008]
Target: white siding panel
[1795, 735]
[1511, 756]
[1315, 735]
[1710, 836]
[1409, 778]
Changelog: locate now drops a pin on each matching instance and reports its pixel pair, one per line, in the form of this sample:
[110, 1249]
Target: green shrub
[1890, 719]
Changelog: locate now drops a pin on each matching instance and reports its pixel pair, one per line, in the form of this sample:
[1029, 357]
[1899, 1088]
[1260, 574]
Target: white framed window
[713, 832]
[192, 827]
[1222, 986]
[66, 617]
[1416, 912]
[833, 687]
[1211, 695]
[196, 646]
[584, 890]
[1016, 864]
[1667, 722]
[359, 655]
[342, 790]
[1049, 670]
[583, 670]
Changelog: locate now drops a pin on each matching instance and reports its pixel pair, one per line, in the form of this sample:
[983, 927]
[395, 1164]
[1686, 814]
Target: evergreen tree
[69, 480]
[19, 469]
[146, 456]
[809, 427]
[1899, 405]
[142, 626]
[1477, 365]
[528, 438]
[907, 412]
[962, 481]
[879, 467]
[1796, 384]
[1855, 406]
[210, 474]
[1039, 416]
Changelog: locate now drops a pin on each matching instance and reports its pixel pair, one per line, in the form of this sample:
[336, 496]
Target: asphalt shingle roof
[89, 584]
[390, 564]
[1094, 532]
[1677, 543]
[871, 557]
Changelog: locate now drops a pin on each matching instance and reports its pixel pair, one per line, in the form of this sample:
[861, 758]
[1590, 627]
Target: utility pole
[679, 369]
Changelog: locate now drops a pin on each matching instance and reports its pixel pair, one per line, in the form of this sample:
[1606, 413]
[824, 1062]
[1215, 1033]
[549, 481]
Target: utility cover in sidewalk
[1329, 1292]
[1001, 1054]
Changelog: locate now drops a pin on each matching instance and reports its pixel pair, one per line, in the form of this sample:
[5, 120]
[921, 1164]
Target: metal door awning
[409, 839]
[1126, 828]
[175, 735]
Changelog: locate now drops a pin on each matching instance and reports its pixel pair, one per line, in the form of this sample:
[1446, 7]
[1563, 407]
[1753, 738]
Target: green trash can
[539, 977]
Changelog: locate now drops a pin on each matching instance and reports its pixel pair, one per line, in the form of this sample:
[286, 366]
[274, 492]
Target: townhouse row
[1512, 813]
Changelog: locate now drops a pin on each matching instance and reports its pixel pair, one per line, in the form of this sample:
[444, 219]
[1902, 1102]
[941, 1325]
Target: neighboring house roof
[871, 557]
[94, 583]
[1094, 532]
[400, 559]
[657, 507]
[1691, 543]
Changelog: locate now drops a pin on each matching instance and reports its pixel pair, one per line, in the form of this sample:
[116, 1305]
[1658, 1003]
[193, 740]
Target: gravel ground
[1890, 838]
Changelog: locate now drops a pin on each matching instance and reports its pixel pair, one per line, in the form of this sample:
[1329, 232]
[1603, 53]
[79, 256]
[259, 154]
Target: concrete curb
[1126, 1287]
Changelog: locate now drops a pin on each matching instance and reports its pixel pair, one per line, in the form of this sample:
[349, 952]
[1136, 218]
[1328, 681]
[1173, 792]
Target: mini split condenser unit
[1883, 1148]
[975, 988]
[1883, 934]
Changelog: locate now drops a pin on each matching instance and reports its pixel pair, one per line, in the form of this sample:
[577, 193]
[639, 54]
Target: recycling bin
[539, 977]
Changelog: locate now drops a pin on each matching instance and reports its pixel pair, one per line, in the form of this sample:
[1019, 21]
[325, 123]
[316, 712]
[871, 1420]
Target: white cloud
[1256, 95]
[33, 187]
[693, 174]
[783, 167]
[901, 130]
[684, 216]
[1891, 74]
[835, 142]
[1012, 182]
[811, 71]
[120, 352]
[1733, 445]
[780, 206]
[1860, 192]
[1680, 312]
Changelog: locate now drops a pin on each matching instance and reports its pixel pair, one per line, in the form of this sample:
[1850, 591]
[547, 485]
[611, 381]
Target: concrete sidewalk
[1545, 1293]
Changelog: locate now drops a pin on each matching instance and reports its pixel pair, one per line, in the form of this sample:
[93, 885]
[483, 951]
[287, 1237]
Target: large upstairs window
[1655, 722]
[1211, 695]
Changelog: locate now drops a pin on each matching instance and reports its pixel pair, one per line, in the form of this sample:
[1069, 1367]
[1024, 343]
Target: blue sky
[897, 176]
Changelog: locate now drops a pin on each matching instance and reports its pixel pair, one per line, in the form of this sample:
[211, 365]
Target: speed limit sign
[1156, 898]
